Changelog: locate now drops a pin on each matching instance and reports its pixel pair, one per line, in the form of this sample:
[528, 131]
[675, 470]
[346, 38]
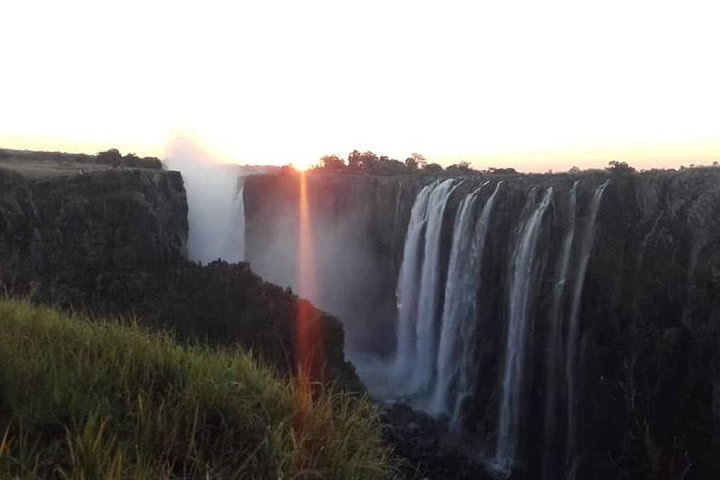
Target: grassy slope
[101, 400]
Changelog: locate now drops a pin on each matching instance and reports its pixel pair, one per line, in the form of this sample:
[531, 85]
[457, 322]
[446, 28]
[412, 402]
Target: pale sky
[535, 85]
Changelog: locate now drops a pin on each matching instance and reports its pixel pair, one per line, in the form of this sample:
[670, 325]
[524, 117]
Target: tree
[432, 168]
[415, 161]
[574, 170]
[354, 161]
[618, 167]
[460, 167]
[390, 166]
[111, 157]
[362, 160]
[368, 160]
[332, 162]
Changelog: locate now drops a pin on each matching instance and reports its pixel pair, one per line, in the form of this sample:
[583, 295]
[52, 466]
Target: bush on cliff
[89, 400]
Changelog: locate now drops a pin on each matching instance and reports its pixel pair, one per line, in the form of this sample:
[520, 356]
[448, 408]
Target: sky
[531, 85]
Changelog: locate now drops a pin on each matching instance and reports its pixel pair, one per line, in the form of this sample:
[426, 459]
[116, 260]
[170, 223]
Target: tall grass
[88, 400]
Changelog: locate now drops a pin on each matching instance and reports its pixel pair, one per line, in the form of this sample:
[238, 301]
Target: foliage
[618, 167]
[332, 162]
[369, 162]
[415, 161]
[111, 156]
[460, 167]
[115, 158]
[432, 168]
[82, 400]
[362, 161]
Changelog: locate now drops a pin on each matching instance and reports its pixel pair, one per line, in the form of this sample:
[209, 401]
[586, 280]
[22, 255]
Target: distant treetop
[114, 158]
[618, 167]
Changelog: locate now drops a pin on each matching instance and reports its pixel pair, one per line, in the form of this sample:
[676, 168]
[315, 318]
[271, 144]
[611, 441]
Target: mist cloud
[215, 203]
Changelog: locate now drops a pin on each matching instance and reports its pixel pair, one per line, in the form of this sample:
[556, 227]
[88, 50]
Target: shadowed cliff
[112, 241]
[638, 390]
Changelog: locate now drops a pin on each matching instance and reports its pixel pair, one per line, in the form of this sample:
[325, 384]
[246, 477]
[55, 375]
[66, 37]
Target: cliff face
[112, 241]
[621, 371]
[70, 231]
[357, 225]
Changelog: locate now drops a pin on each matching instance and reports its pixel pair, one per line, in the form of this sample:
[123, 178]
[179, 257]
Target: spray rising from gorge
[216, 205]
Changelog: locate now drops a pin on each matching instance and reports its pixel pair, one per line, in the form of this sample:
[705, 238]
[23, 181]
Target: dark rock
[426, 446]
[112, 242]
[649, 335]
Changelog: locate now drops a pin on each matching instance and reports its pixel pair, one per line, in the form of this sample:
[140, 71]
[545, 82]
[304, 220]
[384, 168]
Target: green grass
[101, 400]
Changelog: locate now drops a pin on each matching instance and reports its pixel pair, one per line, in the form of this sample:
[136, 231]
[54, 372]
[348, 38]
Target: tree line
[370, 162]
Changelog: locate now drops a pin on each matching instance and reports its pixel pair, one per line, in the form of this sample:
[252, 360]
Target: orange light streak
[309, 342]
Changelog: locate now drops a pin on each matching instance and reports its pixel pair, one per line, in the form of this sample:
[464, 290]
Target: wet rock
[427, 447]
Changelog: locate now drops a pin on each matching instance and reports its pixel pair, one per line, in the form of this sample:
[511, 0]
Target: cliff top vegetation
[81, 399]
[47, 164]
[416, 163]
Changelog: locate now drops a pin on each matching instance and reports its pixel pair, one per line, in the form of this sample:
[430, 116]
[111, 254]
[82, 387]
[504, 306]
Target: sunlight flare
[309, 354]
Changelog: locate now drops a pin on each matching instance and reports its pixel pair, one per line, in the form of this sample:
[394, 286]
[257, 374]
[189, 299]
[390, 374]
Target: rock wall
[112, 242]
[641, 397]
[71, 230]
[358, 226]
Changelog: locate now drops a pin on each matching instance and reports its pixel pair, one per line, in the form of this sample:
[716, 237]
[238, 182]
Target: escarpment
[558, 326]
[112, 241]
[590, 344]
[68, 231]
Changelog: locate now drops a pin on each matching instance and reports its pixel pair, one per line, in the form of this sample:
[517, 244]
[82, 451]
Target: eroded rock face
[645, 372]
[112, 242]
[426, 446]
[70, 230]
[358, 225]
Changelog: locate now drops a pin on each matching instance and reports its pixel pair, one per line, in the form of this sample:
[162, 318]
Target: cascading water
[430, 289]
[457, 338]
[519, 309]
[409, 286]
[555, 346]
[436, 351]
[234, 247]
[458, 300]
[418, 290]
[587, 240]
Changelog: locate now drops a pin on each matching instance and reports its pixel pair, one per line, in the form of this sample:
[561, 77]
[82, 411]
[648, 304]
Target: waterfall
[519, 309]
[554, 347]
[457, 338]
[234, 247]
[430, 289]
[418, 290]
[587, 240]
[459, 293]
[409, 285]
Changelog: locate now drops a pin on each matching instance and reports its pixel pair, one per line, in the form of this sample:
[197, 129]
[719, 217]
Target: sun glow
[302, 165]
[272, 82]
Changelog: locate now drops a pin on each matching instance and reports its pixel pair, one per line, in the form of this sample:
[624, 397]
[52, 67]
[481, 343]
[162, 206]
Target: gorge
[553, 326]
[565, 325]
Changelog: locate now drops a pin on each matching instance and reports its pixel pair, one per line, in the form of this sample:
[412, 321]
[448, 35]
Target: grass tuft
[88, 400]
